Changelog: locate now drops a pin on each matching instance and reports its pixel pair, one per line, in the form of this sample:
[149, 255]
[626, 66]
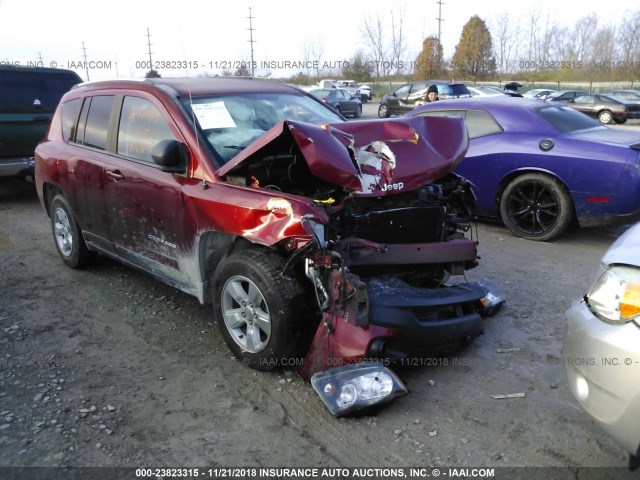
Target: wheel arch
[49, 191]
[214, 247]
[507, 179]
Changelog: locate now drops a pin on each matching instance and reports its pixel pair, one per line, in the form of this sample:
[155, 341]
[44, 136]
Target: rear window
[566, 119]
[33, 92]
[455, 90]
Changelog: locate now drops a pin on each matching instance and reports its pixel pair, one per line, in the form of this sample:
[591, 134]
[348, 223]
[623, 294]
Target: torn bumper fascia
[389, 320]
[348, 364]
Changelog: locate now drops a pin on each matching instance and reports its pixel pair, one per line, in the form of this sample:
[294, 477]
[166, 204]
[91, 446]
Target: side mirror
[170, 155]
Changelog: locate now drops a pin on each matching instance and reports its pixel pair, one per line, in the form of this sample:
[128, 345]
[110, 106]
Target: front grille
[397, 225]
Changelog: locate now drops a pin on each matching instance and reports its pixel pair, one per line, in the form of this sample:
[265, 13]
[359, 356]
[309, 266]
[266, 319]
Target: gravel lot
[107, 367]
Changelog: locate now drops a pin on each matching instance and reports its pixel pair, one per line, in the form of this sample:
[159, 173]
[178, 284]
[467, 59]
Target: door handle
[115, 174]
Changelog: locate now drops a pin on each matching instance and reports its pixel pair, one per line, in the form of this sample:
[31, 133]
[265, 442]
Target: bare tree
[373, 35]
[545, 40]
[561, 45]
[604, 45]
[628, 35]
[507, 42]
[583, 33]
[397, 40]
[532, 49]
[313, 53]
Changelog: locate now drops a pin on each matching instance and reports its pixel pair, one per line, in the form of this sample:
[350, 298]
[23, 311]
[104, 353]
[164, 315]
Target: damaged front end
[394, 229]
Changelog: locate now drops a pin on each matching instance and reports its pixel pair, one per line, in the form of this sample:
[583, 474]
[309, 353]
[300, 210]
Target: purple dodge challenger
[541, 166]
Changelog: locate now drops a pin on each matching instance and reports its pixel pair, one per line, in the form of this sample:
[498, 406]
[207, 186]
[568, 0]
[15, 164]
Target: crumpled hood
[372, 157]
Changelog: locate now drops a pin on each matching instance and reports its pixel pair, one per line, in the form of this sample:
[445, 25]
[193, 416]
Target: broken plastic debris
[508, 395]
[507, 350]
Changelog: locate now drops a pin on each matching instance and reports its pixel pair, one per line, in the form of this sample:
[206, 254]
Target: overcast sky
[216, 34]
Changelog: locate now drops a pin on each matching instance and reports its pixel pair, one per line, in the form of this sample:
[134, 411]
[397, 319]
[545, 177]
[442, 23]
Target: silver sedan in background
[601, 352]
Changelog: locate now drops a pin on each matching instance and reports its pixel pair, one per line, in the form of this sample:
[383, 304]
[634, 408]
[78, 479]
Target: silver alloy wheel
[605, 117]
[246, 314]
[63, 232]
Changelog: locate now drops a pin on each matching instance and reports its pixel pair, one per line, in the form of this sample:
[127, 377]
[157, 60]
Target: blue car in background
[538, 166]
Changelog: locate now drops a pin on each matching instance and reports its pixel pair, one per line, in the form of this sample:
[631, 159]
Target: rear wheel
[383, 111]
[536, 207]
[605, 117]
[258, 310]
[358, 113]
[67, 235]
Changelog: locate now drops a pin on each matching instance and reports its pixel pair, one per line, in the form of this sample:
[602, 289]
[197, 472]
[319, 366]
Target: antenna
[86, 64]
[251, 41]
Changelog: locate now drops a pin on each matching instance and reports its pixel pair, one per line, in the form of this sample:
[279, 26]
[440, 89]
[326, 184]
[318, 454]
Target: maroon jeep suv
[313, 237]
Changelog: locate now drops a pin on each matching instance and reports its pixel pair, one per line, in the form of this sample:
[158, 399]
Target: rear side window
[33, 92]
[69, 119]
[479, 123]
[97, 126]
[142, 126]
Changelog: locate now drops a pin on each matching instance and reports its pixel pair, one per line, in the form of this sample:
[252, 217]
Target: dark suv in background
[28, 98]
[413, 94]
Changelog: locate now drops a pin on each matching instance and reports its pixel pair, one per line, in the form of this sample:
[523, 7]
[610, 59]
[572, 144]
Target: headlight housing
[357, 386]
[615, 296]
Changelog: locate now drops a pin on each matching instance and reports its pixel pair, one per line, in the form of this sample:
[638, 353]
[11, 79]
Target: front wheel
[536, 207]
[258, 310]
[67, 235]
[383, 111]
[605, 117]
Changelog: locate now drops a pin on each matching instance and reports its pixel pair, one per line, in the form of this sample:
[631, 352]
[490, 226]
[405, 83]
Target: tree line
[536, 47]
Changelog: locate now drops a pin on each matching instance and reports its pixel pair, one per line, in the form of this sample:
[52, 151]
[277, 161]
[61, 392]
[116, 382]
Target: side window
[141, 128]
[403, 91]
[481, 123]
[443, 113]
[69, 119]
[585, 99]
[97, 126]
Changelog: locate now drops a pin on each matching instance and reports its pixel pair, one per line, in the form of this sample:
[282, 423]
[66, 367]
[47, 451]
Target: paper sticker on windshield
[213, 115]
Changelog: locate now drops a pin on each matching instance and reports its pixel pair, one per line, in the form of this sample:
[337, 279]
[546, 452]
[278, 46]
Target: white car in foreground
[601, 352]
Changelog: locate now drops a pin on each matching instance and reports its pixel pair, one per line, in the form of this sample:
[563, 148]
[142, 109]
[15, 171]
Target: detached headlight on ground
[355, 387]
[494, 299]
[615, 296]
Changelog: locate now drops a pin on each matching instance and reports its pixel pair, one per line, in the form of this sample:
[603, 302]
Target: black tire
[536, 207]
[605, 117]
[383, 111]
[358, 113]
[67, 235]
[258, 310]
[620, 121]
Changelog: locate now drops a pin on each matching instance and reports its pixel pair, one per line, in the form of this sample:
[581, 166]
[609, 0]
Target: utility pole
[149, 46]
[440, 20]
[251, 42]
[86, 63]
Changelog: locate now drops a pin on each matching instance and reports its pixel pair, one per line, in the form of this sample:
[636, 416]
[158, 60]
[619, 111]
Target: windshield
[566, 119]
[232, 122]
